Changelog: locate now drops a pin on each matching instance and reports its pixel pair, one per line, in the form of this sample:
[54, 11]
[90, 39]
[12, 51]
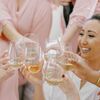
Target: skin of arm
[10, 32]
[88, 74]
[93, 76]
[69, 88]
[36, 80]
[5, 74]
[85, 72]
[38, 94]
[69, 33]
[38, 86]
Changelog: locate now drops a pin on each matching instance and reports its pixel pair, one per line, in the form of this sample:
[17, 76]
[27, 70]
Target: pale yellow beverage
[34, 68]
[54, 81]
[53, 76]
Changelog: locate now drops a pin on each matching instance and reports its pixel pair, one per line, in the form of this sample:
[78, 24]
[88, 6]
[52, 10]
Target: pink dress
[33, 18]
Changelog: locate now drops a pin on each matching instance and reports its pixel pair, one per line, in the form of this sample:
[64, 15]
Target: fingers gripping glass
[16, 57]
[53, 72]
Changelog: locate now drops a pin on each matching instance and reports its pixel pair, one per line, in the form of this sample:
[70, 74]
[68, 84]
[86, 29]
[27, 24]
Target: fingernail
[63, 76]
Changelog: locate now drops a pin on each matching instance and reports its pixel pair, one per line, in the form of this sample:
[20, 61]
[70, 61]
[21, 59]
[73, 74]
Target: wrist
[17, 37]
[38, 87]
[64, 45]
[10, 32]
[35, 81]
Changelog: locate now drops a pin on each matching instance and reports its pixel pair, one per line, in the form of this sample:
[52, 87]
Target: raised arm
[79, 15]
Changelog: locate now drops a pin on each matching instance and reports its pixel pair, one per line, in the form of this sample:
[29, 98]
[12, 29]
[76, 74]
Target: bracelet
[98, 81]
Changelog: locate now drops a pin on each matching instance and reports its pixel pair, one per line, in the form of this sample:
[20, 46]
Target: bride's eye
[81, 34]
[91, 36]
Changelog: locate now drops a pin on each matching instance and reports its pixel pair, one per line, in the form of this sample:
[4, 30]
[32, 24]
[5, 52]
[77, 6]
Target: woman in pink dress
[21, 19]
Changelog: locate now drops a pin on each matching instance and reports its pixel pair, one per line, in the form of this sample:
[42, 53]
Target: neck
[95, 64]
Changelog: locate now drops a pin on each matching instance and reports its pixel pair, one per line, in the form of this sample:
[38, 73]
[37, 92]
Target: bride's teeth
[85, 50]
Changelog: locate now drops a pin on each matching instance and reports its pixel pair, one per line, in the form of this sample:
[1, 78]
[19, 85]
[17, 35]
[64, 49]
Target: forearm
[37, 83]
[69, 89]
[70, 33]
[10, 32]
[38, 94]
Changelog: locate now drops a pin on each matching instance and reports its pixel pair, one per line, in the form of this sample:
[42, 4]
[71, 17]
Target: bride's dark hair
[96, 17]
